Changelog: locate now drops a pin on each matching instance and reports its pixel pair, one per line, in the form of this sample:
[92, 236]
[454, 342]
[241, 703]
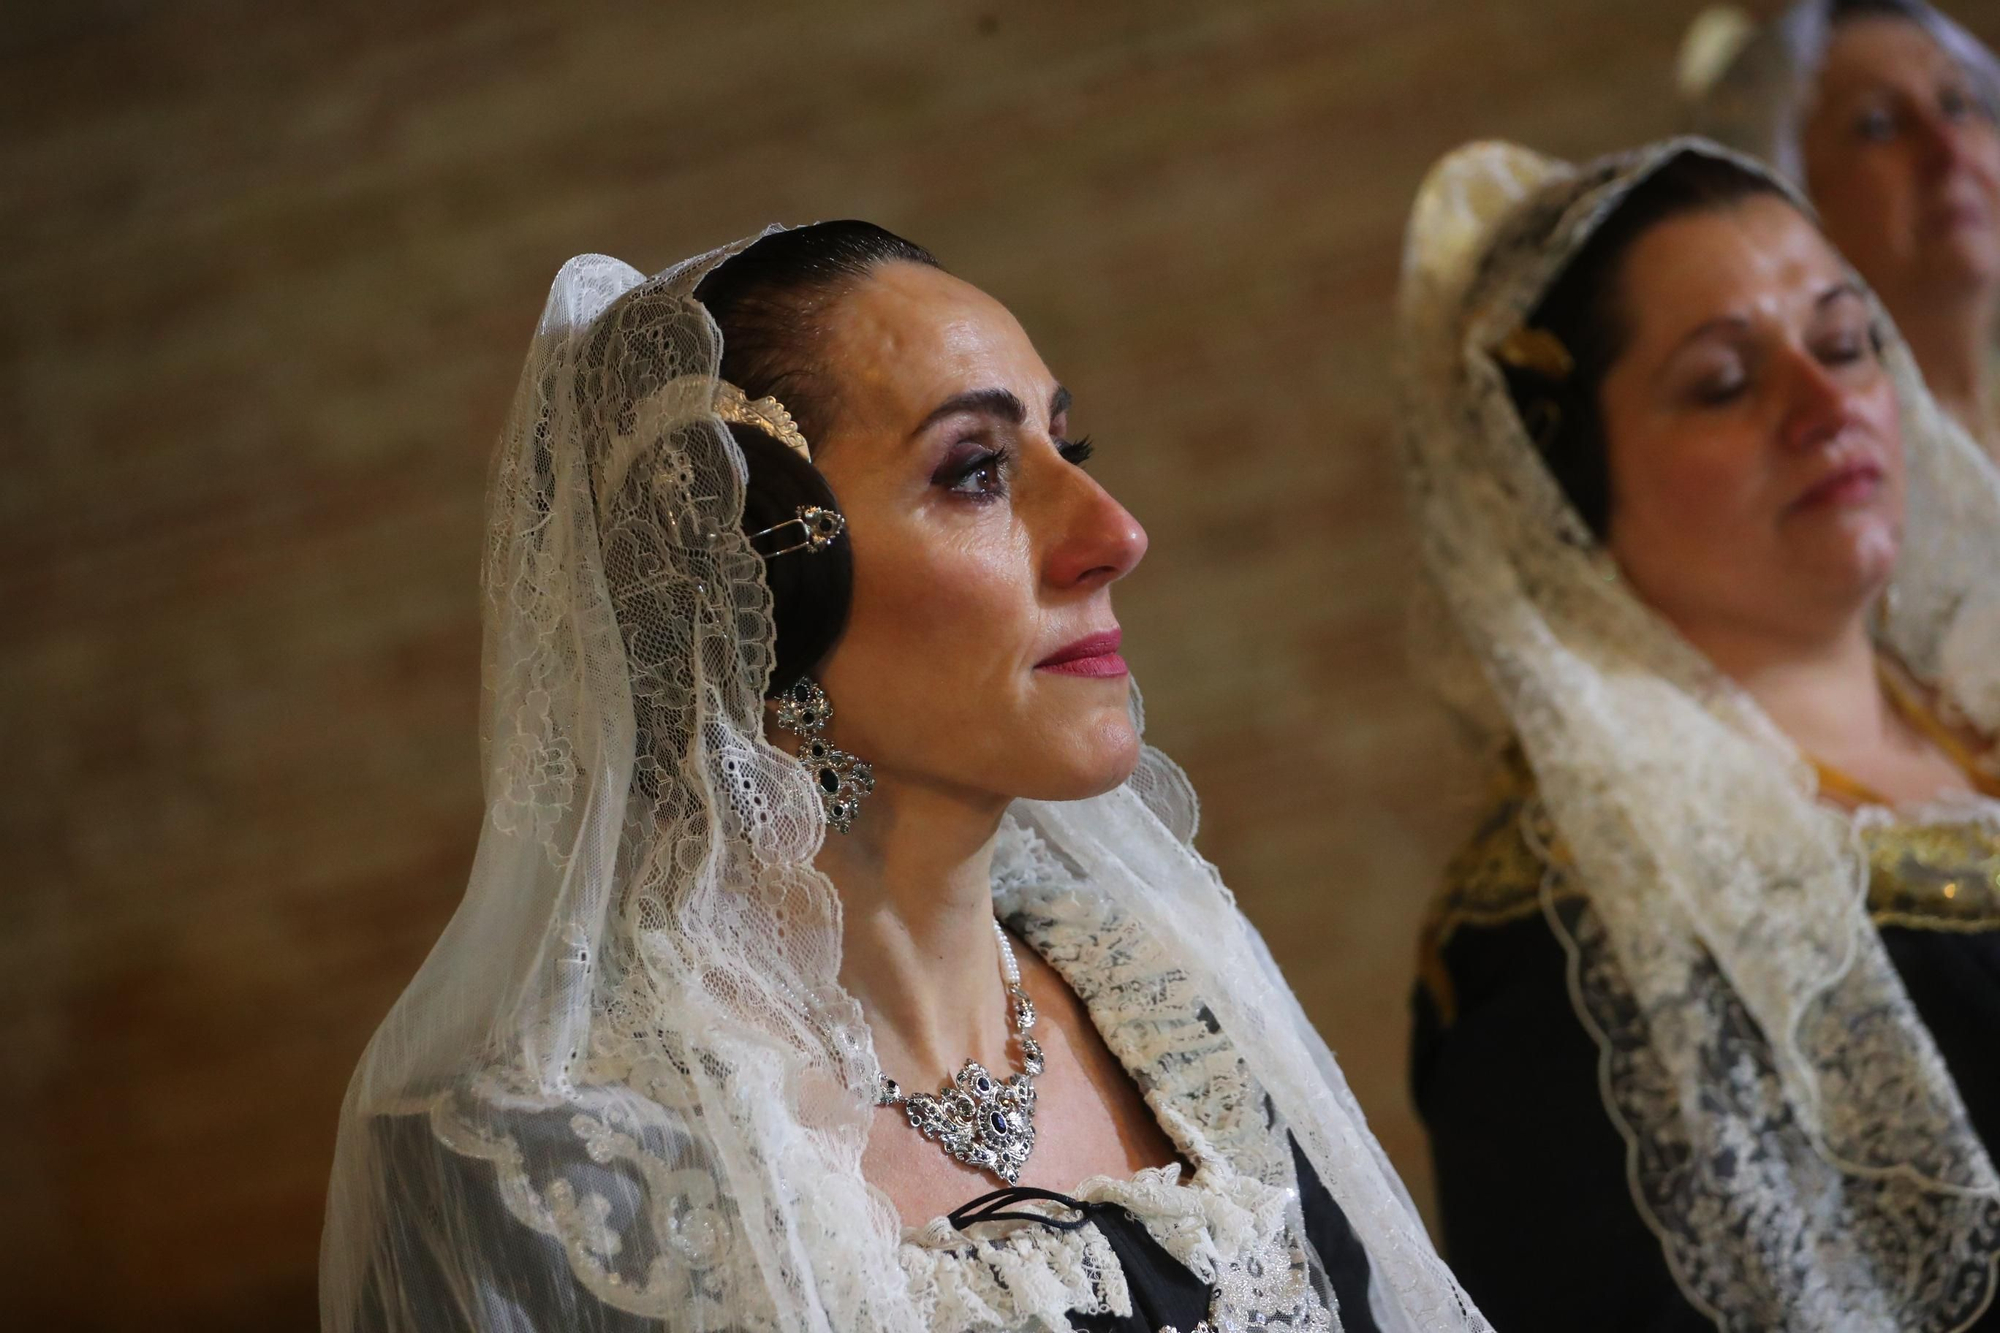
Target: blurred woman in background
[1884, 112]
[1708, 1006]
[812, 491]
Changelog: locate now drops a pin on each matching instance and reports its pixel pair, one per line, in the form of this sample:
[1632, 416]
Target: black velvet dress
[1537, 1216]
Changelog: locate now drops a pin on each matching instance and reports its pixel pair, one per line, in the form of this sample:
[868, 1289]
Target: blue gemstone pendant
[983, 1121]
[980, 1120]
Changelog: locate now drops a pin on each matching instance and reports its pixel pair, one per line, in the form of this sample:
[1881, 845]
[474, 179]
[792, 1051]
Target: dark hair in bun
[769, 301]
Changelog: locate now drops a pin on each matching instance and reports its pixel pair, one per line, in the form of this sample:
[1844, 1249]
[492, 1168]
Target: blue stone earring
[841, 779]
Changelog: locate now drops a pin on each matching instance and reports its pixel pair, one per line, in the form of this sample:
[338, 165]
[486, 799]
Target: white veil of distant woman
[1751, 87]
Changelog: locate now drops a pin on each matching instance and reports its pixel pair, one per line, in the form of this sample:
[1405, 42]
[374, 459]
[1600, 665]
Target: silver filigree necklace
[975, 1117]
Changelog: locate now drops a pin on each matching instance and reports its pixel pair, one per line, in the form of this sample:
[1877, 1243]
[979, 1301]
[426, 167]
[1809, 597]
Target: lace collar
[1227, 1221]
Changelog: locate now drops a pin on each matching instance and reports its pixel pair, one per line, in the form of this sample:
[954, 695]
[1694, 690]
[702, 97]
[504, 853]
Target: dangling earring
[842, 780]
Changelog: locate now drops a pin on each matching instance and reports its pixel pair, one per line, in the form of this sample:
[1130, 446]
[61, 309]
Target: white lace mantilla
[1229, 1223]
[627, 1091]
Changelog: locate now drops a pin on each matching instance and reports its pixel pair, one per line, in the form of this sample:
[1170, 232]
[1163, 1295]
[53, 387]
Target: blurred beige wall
[267, 271]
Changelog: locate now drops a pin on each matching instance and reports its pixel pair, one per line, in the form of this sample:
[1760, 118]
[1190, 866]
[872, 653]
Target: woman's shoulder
[1494, 886]
[1496, 875]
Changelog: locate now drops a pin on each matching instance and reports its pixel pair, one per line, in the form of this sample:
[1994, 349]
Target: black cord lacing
[993, 1208]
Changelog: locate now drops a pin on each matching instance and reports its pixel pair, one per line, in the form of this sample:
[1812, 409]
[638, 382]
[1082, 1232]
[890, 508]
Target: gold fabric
[1942, 875]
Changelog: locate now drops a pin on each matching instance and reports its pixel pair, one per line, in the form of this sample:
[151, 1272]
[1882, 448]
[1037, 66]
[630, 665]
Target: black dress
[1164, 1293]
[1537, 1215]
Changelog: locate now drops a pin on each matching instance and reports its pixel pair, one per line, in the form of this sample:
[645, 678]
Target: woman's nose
[1945, 143]
[1099, 543]
[1821, 404]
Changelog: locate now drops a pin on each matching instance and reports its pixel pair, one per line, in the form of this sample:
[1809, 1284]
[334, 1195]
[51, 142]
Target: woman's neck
[1821, 691]
[918, 949]
[1952, 340]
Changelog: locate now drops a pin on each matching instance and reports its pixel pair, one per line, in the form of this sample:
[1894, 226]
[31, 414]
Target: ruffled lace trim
[1028, 1277]
[1228, 1223]
[1228, 1230]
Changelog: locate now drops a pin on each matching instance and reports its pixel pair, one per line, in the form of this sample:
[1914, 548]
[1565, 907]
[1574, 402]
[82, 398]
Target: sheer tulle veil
[626, 1088]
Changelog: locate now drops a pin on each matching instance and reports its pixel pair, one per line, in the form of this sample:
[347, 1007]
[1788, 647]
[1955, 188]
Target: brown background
[266, 274]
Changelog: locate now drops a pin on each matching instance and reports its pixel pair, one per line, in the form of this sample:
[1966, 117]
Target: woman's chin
[1094, 759]
[1873, 547]
[1968, 256]
[1858, 567]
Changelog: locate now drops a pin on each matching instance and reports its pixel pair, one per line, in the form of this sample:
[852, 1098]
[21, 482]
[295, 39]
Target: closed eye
[1845, 349]
[1721, 390]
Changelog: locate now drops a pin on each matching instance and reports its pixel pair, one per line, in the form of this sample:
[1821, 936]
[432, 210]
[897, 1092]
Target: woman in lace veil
[810, 489]
[1884, 113]
[1708, 1005]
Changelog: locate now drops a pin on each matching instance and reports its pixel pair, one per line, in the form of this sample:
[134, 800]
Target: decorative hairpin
[766, 414]
[820, 527]
[1537, 351]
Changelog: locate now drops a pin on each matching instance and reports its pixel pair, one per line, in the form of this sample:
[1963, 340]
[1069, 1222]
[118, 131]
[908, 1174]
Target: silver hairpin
[820, 527]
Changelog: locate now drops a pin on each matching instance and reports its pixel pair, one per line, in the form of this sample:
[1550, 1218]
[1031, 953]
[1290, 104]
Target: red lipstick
[1096, 655]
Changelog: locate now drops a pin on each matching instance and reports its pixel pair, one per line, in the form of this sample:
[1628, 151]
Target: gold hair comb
[766, 414]
[1537, 351]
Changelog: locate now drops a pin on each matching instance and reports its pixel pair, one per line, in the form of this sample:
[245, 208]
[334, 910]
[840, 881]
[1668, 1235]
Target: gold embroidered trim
[1934, 876]
[1942, 877]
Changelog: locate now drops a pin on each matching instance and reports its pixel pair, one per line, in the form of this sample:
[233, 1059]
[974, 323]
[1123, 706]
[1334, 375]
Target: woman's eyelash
[979, 462]
[993, 464]
[963, 477]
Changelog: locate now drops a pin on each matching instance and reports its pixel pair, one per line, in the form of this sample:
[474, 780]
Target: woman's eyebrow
[1000, 403]
[990, 402]
[1720, 324]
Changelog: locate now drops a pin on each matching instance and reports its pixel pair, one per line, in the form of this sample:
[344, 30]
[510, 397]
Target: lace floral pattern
[1766, 1280]
[1936, 868]
[1515, 867]
[1228, 1223]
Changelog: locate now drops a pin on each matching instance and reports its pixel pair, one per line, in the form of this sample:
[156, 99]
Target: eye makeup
[974, 469]
[981, 471]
